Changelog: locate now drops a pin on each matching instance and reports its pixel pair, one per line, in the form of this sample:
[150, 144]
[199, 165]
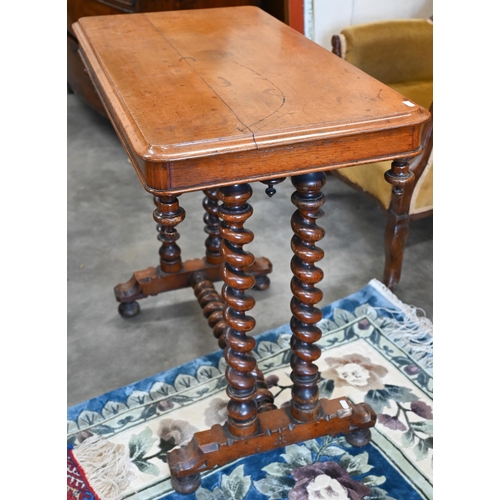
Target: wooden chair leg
[396, 235]
[397, 228]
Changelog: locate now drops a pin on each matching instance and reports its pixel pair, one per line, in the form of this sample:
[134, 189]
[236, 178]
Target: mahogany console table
[212, 100]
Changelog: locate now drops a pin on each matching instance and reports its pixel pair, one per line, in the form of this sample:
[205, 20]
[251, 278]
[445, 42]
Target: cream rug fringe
[414, 333]
[106, 465]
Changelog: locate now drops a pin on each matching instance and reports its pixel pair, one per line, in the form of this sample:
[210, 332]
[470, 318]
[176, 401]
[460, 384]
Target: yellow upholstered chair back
[398, 53]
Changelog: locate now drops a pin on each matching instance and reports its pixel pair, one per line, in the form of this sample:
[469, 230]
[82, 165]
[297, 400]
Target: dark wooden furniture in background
[79, 81]
[208, 100]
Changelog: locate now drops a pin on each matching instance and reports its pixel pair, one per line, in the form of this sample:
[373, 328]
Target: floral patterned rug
[374, 349]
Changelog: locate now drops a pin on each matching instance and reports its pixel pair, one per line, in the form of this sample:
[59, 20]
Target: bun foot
[129, 309]
[260, 269]
[261, 283]
[186, 485]
[359, 438]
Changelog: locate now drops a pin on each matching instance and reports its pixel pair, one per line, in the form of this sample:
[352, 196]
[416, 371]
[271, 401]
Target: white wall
[324, 18]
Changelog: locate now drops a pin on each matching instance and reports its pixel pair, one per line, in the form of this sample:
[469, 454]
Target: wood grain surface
[184, 86]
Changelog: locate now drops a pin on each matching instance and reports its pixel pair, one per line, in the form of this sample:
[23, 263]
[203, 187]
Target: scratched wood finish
[200, 98]
[79, 81]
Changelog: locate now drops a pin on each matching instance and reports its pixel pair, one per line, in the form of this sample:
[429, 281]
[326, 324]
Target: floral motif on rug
[374, 349]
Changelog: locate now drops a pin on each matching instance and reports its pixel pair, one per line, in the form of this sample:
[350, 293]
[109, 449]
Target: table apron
[193, 174]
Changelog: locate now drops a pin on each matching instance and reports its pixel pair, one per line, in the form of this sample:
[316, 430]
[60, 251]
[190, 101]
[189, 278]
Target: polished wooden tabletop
[209, 97]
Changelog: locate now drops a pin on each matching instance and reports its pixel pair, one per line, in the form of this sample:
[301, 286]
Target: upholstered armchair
[399, 54]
